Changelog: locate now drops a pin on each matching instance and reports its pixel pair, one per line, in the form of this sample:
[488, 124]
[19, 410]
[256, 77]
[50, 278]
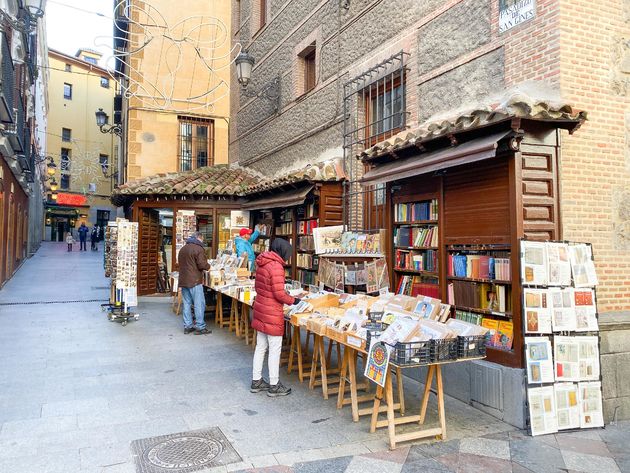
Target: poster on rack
[536, 307]
[377, 363]
[576, 358]
[558, 264]
[585, 310]
[327, 239]
[372, 278]
[185, 224]
[539, 360]
[562, 311]
[542, 410]
[382, 277]
[582, 265]
[533, 263]
[567, 406]
[591, 412]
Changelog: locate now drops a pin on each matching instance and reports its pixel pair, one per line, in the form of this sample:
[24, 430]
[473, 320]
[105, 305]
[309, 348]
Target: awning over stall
[280, 199]
[468, 152]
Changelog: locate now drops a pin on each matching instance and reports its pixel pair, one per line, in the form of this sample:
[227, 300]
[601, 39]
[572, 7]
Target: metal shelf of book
[416, 243]
[479, 287]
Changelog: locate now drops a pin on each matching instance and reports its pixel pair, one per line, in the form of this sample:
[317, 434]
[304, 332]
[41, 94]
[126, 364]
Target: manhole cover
[183, 452]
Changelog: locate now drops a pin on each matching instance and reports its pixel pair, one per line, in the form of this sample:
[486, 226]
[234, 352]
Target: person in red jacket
[269, 316]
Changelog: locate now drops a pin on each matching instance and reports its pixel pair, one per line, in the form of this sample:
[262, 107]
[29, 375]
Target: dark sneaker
[188, 330]
[258, 386]
[278, 390]
[205, 331]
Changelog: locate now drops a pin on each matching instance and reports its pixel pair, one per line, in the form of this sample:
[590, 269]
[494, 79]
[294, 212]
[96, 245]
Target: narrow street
[76, 389]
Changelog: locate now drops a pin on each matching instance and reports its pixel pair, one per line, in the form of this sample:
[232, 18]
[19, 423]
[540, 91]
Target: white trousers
[274, 344]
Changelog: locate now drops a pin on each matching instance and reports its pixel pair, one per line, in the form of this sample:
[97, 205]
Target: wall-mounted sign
[515, 12]
[71, 199]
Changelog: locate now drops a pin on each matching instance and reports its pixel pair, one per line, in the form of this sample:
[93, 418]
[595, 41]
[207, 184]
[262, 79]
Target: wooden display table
[434, 371]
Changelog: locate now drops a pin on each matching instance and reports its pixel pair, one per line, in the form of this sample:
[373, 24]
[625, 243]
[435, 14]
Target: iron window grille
[65, 181]
[195, 143]
[103, 160]
[65, 161]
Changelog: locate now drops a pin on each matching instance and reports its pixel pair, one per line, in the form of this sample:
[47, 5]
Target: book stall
[564, 388]
[389, 332]
[121, 263]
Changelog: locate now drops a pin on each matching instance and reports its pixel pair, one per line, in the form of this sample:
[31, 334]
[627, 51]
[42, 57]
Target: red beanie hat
[245, 231]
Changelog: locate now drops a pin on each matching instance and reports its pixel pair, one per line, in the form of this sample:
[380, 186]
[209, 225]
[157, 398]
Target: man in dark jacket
[192, 261]
[83, 231]
[269, 316]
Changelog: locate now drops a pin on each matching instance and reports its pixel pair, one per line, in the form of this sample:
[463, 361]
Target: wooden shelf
[416, 247]
[308, 218]
[490, 281]
[463, 247]
[483, 311]
[417, 222]
[284, 235]
[304, 234]
[305, 251]
[416, 271]
[283, 221]
[306, 269]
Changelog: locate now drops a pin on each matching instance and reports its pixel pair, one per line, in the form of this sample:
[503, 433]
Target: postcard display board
[121, 261]
[185, 224]
[561, 336]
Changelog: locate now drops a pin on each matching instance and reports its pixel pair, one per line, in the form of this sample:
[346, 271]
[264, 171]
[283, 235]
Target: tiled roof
[516, 103]
[222, 180]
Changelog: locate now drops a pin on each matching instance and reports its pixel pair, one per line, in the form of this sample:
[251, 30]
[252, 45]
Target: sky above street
[75, 24]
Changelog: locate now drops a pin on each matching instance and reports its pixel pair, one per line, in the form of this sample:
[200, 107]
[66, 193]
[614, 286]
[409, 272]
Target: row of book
[416, 286]
[306, 243]
[284, 228]
[416, 236]
[417, 260]
[416, 211]
[307, 210]
[261, 245]
[305, 227]
[493, 297]
[470, 317]
[306, 260]
[480, 266]
[306, 277]
[264, 229]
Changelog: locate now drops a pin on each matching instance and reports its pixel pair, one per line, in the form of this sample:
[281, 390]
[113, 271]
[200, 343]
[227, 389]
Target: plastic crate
[471, 346]
[374, 329]
[412, 353]
[443, 350]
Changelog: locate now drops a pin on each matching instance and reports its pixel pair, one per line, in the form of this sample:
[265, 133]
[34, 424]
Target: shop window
[385, 108]
[105, 82]
[65, 181]
[196, 143]
[66, 134]
[65, 160]
[103, 160]
[67, 91]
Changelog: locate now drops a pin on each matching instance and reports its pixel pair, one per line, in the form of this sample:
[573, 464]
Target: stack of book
[306, 243]
[479, 267]
[417, 261]
[416, 286]
[493, 297]
[284, 228]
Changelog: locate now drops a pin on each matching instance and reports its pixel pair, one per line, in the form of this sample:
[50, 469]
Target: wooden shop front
[482, 190]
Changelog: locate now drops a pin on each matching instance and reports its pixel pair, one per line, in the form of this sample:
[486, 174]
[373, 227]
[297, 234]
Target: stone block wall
[615, 364]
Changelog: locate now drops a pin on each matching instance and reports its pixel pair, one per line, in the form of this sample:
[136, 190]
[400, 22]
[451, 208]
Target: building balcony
[7, 82]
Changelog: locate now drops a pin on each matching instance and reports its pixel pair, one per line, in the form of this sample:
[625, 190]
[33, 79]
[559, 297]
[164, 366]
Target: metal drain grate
[184, 452]
[52, 302]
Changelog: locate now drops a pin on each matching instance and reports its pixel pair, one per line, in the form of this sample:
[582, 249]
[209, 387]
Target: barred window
[196, 143]
[385, 108]
[65, 160]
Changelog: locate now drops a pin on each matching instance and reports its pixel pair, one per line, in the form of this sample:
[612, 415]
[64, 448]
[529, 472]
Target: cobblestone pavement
[76, 390]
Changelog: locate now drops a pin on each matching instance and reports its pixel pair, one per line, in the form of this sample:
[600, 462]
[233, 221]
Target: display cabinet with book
[416, 245]
[307, 263]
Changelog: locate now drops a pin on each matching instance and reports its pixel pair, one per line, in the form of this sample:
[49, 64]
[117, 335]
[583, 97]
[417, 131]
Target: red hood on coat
[267, 257]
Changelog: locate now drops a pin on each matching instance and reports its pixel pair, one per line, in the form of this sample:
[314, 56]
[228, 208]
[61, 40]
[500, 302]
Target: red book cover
[484, 267]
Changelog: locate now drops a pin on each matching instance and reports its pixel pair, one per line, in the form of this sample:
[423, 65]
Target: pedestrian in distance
[243, 245]
[69, 240]
[192, 262]
[269, 316]
[94, 239]
[83, 231]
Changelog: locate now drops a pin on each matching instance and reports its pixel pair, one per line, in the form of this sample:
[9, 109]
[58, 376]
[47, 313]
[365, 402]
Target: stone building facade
[459, 52]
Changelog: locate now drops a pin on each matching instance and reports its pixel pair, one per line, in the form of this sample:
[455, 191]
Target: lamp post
[34, 10]
[244, 65]
[102, 120]
[53, 185]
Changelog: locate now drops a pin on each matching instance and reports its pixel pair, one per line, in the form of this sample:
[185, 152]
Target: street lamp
[34, 10]
[54, 196]
[102, 120]
[244, 65]
[53, 185]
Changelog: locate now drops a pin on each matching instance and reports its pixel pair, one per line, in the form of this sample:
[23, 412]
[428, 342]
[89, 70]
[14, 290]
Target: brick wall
[595, 76]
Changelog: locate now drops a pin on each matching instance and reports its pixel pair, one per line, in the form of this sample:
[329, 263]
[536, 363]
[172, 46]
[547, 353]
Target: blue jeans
[194, 295]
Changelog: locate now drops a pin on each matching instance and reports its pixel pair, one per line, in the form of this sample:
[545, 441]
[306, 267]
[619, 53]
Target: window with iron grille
[103, 160]
[196, 143]
[385, 108]
[66, 134]
[65, 161]
[65, 181]
[67, 91]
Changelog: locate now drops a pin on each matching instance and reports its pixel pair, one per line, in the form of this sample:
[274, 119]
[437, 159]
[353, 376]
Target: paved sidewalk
[76, 389]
